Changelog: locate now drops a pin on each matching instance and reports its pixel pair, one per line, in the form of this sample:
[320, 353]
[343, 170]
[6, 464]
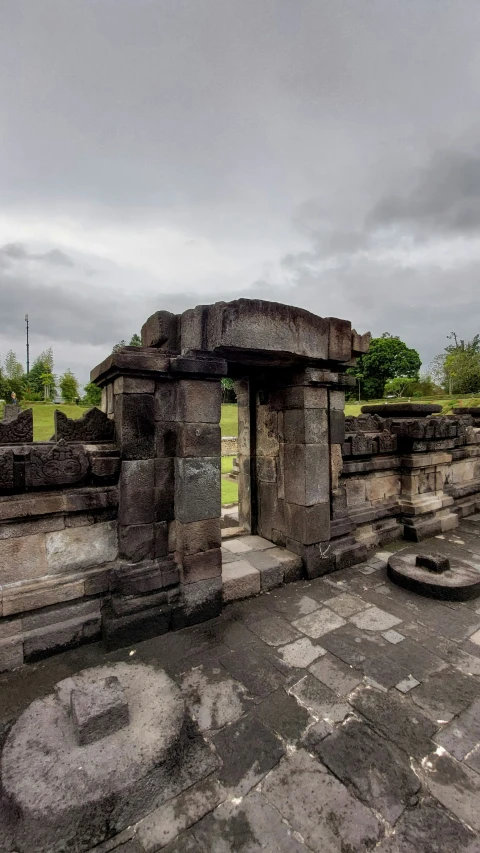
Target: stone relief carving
[17, 429]
[6, 469]
[94, 426]
[59, 465]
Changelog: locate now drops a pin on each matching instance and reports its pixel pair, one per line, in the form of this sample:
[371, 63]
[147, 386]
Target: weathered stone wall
[403, 478]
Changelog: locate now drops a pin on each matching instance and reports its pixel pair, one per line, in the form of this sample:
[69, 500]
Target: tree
[228, 390]
[93, 394]
[458, 367]
[69, 386]
[13, 376]
[135, 341]
[42, 366]
[387, 358]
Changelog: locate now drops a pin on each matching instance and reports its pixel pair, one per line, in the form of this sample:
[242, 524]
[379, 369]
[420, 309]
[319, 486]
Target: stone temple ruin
[112, 531]
[113, 528]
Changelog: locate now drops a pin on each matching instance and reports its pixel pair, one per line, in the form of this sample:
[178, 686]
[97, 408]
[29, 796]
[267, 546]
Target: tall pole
[28, 347]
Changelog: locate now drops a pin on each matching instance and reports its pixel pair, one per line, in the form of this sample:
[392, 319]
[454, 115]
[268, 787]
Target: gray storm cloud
[326, 154]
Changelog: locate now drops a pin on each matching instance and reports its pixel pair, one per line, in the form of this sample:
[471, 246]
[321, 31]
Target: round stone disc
[71, 796]
[459, 583]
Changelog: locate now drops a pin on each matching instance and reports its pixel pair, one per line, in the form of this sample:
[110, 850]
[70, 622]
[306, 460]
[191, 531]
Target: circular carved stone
[459, 582]
[72, 797]
[402, 410]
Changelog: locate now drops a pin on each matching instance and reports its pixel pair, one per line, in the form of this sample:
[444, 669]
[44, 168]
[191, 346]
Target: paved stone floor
[345, 712]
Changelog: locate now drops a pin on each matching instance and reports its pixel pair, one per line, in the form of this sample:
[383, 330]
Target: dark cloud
[19, 252]
[445, 198]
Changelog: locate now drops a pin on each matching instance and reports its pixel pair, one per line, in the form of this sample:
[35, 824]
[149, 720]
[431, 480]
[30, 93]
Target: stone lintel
[131, 361]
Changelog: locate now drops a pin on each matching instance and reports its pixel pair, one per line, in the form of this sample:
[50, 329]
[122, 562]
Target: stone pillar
[242, 391]
[307, 474]
[197, 506]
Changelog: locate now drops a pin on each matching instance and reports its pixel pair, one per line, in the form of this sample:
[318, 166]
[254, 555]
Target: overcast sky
[162, 153]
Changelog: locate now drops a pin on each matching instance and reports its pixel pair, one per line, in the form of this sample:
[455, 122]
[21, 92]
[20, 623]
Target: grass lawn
[229, 492]
[229, 422]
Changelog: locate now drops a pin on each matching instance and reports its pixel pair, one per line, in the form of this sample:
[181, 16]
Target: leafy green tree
[135, 341]
[93, 394]
[228, 390]
[48, 382]
[69, 386]
[13, 377]
[388, 358]
[43, 365]
[458, 367]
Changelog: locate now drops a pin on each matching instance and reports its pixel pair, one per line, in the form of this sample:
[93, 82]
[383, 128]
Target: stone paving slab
[304, 754]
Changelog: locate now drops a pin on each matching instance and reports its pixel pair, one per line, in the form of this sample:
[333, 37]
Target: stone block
[20, 600]
[360, 343]
[266, 467]
[340, 340]
[22, 558]
[11, 654]
[137, 542]
[307, 474]
[136, 503]
[166, 401]
[267, 443]
[202, 566]
[337, 401]
[55, 465]
[81, 547]
[98, 710]
[200, 601]
[292, 564]
[164, 489]
[161, 330]
[17, 429]
[240, 580]
[317, 559]
[160, 538]
[198, 536]
[61, 614]
[255, 325]
[110, 410]
[306, 426]
[308, 524]
[104, 469]
[131, 628]
[198, 440]
[337, 427]
[133, 579]
[243, 447]
[60, 636]
[336, 465]
[356, 492]
[93, 427]
[199, 401]
[197, 489]
[135, 425]
[271, 570]
[6, 469]
[133, 385]
[271, 510]
[303, 397]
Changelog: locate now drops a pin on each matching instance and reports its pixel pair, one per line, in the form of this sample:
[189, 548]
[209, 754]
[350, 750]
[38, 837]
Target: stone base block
[240, 580]
[126, 630]
[98, 710]
[292, 564]
[199, 602]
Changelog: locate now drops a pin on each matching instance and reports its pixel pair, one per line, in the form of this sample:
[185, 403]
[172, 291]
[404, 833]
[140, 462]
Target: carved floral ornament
[59, 465]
